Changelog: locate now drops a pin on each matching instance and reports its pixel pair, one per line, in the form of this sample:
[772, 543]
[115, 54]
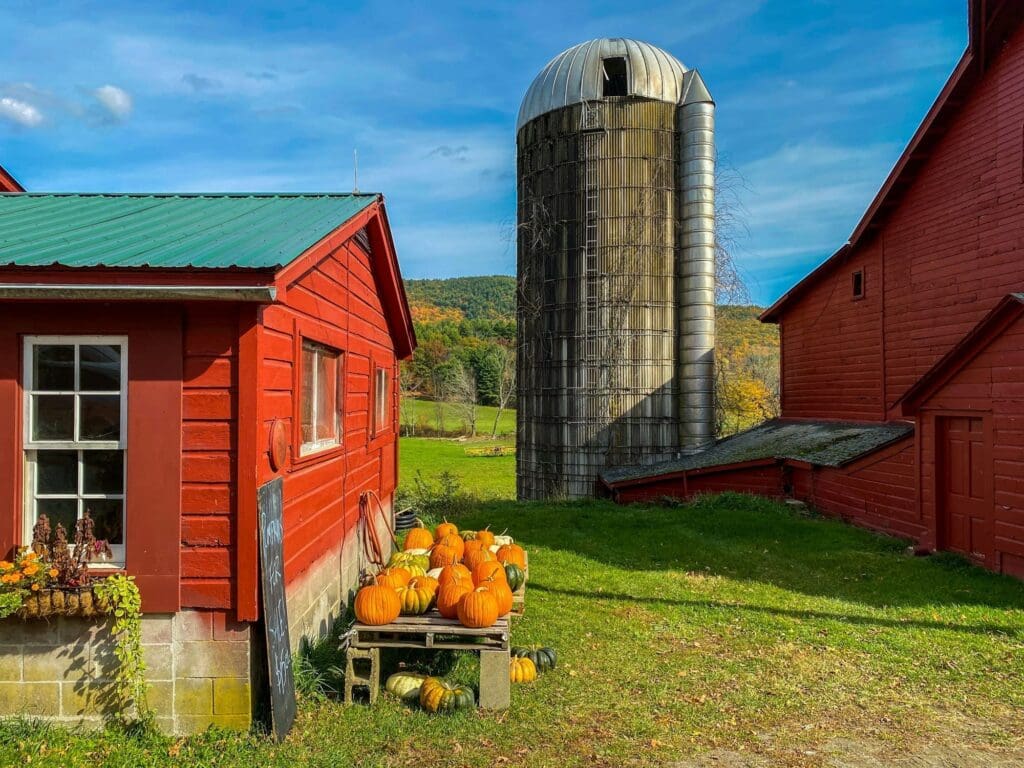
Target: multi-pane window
[74, 442]
[321, 426]
[382, 396]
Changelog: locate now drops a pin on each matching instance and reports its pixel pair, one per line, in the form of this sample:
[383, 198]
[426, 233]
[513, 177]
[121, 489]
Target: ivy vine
[124, 603]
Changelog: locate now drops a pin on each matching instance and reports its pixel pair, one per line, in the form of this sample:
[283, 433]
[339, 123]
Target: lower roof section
[822, 443]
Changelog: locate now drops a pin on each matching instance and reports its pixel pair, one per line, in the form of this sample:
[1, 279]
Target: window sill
[315, 457]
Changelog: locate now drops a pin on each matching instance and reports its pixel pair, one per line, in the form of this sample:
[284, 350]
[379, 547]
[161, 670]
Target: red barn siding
[209, 455]
[763, 480]
[335, 302]
[945, 254]
[831, 347]
[990, 386]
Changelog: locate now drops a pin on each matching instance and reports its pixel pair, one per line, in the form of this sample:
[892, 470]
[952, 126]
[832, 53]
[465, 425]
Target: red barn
[891, 416]
[8, 183]
[161, 357]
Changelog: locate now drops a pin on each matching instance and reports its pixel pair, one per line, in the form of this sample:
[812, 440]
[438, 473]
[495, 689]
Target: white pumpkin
[405, 685]
[502, 540]
[434, 573]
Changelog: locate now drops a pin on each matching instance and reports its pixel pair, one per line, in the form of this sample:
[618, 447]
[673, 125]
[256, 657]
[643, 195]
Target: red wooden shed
[940, 246]
[153, 350]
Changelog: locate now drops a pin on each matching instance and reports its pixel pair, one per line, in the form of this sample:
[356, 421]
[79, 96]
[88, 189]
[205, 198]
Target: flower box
[63, 601]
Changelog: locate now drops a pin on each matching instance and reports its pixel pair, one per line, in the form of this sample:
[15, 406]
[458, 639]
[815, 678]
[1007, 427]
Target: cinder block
[10, 663]
[89, 698]
[157, 629]
[211, 659]
[191, 724]
[42, 663]
[193, 697]
[226, 628]
[160, 696]
[35, 700]
[80, 631]
[232, 696]
[193, 625]
[158, 660]
[37, 632]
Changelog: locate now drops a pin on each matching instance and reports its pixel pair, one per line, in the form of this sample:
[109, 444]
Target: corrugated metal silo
[616, 265]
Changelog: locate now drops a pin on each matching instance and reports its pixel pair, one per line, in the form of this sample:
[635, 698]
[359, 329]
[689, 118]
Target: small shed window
[615, 77]
[382, 401]
[321, 394]
[858, 284]
[74, 441]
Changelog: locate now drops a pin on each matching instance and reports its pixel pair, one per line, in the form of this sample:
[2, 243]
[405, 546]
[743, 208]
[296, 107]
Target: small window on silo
[615, 79]
[858, 284]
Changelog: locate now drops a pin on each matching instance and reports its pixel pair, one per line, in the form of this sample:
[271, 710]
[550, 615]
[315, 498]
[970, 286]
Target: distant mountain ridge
[489, 297]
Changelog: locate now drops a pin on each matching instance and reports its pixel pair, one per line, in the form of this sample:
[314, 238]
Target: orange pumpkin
[489, 569]
[477, 556]
[453, 573]
[418, 538]
[440, 556]
[444, 529]
[473, 545]
[450, 595]
[485, 537]
[425, 581]
[502, 594]
[478, 608]
[395, 578]
[512, 553]
[377, 604]
[454, 541]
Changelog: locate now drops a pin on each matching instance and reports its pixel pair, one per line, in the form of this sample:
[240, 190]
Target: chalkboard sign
[275, 609]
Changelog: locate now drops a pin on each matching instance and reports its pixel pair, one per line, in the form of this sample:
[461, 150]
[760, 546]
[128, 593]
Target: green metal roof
[822, 443]
[219, 231]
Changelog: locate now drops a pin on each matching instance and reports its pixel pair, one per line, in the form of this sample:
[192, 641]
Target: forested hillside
[466, 331]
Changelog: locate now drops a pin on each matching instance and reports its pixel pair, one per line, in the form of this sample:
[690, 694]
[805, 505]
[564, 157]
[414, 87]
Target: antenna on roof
[355, 171]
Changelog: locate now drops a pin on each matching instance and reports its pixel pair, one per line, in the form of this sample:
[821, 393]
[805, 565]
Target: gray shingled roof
[823, 443]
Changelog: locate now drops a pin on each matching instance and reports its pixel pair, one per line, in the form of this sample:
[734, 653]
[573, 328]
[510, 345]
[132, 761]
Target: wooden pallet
[433, 631]
[519, 596]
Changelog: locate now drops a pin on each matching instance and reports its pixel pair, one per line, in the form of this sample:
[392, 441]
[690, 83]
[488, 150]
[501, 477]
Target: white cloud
[114, 100]
[20, 112]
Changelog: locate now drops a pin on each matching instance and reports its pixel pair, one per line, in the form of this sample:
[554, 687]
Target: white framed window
[75, 442]
[382, 395]
[321, 393]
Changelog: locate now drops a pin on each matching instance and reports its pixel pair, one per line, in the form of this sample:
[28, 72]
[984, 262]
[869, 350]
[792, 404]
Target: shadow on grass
[751, 539]
[732, 607]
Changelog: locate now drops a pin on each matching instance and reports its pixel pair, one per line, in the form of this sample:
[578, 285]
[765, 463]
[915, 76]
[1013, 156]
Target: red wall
[991, 385]
[765, 480]
[945, 255]
[336, 303]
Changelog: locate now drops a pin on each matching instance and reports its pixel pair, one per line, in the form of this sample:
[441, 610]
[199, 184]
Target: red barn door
[964, 473]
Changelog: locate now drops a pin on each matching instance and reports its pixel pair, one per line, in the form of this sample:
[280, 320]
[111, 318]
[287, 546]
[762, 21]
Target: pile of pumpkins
[434, 694]
[469, 576]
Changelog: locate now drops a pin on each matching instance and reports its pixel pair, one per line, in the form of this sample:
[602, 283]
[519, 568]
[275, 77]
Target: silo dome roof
[577, 75]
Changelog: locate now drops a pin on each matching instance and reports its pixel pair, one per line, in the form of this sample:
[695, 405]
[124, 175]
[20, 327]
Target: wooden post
[494, 680]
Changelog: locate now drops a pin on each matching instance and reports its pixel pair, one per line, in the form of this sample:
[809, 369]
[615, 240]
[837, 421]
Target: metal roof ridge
[196, 195]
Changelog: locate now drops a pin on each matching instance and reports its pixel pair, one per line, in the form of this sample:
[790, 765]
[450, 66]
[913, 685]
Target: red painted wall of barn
[941, 260]
[990, 386]
[338, 303]
[765, 480]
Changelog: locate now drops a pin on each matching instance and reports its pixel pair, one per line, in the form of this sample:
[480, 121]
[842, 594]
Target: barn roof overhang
[810, 442]
[960, 355]
[991, 23]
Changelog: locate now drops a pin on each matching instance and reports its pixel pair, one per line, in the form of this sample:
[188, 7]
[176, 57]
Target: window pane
[103, 472]
[100, 368]
[327, 395]
[57, 472]
[63, 511]
[308, 363]
[101, 417]
[53, 367]
[53, 417]
[382, 399]
[108, 519]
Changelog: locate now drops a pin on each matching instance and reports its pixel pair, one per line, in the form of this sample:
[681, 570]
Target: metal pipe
[696, 273]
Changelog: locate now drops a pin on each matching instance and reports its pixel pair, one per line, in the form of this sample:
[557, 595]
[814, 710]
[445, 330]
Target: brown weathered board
[431, 631]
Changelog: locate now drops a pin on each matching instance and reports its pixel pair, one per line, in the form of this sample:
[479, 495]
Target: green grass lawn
[728, 628]
[425, 412]
[485, 477]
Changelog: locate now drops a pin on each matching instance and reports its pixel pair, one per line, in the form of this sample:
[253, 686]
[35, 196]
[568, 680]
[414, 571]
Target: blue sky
[816, 99]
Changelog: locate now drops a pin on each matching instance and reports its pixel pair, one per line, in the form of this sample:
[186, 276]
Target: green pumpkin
[468, 535]
[417, 565]
[515, 576]
[437, 695]
[405, 685]
[543, 659]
